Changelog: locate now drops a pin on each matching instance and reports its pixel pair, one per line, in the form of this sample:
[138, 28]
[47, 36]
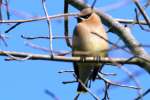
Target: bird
[89, 39]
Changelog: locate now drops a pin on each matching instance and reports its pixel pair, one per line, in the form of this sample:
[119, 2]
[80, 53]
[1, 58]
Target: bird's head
[84, 14]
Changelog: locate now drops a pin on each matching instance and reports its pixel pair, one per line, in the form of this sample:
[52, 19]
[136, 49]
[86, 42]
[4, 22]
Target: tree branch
[68, 59]
[38, 18]
[142, 11]
[125, 21]
[130, 21]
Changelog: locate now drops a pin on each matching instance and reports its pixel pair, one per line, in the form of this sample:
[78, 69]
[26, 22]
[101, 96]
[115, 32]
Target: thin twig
[49, 27]
[12, 27]
[108, 74]
[51, 94]
[88, 90]
[129, 74]
[37, 46]
[43, 37]
[71, 71]
[131, 21]
[66, 71]
[124, 80]
[66, 26]
[1, 10]
[11, 57]
[93, 4]
[125, 21]
[142, 11]
[144, 94]
[38, 18]
[106, 96]
[7, 9]
[147, 4]
[68, 82]
[3, 37]
[115, 83]
[136, 12]
[77, 96]
[59, 53]
[132, 77]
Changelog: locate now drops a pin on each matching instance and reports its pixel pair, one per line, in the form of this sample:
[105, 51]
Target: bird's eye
[86, 16]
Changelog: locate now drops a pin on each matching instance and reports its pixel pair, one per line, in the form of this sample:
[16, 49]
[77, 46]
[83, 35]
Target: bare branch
[66, 26]
[76, 97]
[51, 94]
[3, 37]
[44, 37]
[38, 18]
[49, 27]
[142, 11]
[136, 12]
[132, 77]
[11, 57]
[1, 10]
[144, 94]
[65, 71]
[37, 47]
[88, 90]
[124, 80]
[125, 21]
[68, 82]
[108, 74]
[7, 9]
[59, 53]
[12, 27]
[147, 4]
[115, 83]
[68, 59]
[93, 4]
[130, 21]
[106, 96]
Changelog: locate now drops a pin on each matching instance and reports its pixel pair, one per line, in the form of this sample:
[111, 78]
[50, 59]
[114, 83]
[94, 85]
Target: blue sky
[27, 80]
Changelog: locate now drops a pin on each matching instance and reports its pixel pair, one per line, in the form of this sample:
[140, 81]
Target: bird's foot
[97, 58]
[83, 59]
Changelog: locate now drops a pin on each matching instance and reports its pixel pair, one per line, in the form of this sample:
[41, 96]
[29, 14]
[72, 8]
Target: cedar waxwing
[86, 42]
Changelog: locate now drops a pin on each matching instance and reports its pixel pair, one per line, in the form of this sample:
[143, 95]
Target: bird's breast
[84, 39]
[90, 43]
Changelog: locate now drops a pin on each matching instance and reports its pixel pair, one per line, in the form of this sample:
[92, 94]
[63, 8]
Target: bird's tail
[96, 70]
[81, 88]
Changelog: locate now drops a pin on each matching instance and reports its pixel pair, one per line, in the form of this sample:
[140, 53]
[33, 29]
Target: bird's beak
[79, 19]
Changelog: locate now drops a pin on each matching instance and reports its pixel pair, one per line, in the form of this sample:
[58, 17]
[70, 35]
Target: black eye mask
[81, 18]
[86, 16]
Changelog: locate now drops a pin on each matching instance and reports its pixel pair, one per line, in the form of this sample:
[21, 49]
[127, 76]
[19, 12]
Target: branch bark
[32, 56]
